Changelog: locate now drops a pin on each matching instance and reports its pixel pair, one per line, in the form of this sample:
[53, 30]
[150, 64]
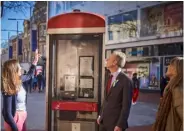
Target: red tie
[109, 83]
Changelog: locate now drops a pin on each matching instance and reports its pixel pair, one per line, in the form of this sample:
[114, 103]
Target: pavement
[142, 114]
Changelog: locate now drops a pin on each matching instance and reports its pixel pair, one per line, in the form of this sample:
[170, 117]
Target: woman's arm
[7, 112]
[29, 75]
[31, 71]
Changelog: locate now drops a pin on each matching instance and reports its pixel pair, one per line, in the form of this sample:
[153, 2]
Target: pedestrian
[170, 111]
[32, 83]
[35, 83]
[118, 96]
[14, 95]
[136, 85]
[40, 81]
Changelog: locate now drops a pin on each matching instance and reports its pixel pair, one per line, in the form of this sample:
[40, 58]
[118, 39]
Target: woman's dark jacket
[10, 101]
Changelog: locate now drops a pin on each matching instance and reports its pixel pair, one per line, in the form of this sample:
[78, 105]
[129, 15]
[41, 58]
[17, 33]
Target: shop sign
[134, 51]
[140, 52]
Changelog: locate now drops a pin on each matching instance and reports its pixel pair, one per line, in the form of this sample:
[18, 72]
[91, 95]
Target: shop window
[110, 35]
[170, 49]
[155, 50]
[126, 23]
[148, 72]
[154, 75]
[134, 51]
[142, 70]
[145, 51]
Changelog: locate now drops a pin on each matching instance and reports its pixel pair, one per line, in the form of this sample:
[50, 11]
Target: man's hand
[98, 120]
[117, 128]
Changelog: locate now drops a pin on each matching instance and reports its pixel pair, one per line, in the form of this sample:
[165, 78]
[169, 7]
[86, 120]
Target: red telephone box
[75, 53]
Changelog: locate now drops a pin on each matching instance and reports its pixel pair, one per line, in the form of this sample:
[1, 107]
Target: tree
[16, 6]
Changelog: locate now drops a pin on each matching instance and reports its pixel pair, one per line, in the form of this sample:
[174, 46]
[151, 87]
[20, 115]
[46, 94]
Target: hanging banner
[10, 52]
[20, 47]
[34, 40]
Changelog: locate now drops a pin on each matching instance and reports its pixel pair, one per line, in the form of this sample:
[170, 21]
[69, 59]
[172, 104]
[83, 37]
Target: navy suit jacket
[10, 101]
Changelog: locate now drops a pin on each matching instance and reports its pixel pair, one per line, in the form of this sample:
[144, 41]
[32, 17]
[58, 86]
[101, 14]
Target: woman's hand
[37, 56]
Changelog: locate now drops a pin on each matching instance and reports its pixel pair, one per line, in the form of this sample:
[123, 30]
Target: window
[110, 35]
[42, 30]
[119, 34]
[126, 23]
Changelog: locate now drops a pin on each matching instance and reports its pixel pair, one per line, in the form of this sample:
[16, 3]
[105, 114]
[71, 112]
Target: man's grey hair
[121, 58]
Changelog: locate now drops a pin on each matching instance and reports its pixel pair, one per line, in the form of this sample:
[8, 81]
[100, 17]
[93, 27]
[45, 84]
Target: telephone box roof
[76, 19]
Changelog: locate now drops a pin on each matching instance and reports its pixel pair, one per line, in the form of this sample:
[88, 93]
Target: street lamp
[10, 30]
[17, 22]
[13, 19]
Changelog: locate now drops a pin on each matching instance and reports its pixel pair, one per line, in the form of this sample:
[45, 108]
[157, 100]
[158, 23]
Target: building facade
[39, 14]
[149, 33]
[26, 48]
[4, 55]
[14, 47]
[39, 20]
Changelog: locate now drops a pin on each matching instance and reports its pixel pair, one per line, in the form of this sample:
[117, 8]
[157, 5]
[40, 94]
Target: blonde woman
[170, 112]
[14, 95]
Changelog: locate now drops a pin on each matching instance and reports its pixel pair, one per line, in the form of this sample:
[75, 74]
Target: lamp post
[9, 35]
[10, 30]
[15, 19]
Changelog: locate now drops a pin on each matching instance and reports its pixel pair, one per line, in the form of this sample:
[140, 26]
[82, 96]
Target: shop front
[147, 69]
[149, 62]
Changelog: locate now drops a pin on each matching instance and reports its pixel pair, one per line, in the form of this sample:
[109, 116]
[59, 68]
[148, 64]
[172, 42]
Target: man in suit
[118, 96]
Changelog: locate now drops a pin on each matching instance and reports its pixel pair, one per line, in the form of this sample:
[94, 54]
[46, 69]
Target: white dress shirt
[115, 74]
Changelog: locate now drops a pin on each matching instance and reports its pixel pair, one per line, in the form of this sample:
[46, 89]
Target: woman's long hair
[10, 81]
[165, 104]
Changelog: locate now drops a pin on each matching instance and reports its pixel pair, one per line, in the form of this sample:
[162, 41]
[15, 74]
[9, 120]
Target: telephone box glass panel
[77, 81]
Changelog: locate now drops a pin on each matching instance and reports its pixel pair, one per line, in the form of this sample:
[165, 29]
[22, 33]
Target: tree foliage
[16, 6]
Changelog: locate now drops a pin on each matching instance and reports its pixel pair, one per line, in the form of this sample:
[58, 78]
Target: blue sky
[12, 25]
